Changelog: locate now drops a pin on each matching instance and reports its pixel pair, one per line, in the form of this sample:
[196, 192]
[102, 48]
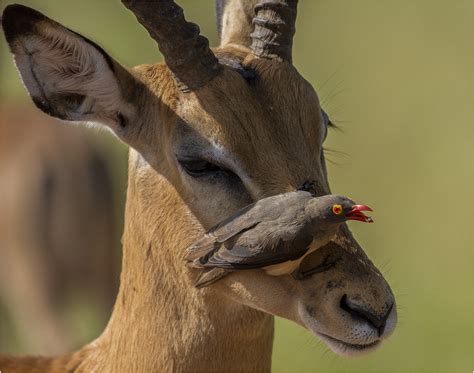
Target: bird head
[337, 208]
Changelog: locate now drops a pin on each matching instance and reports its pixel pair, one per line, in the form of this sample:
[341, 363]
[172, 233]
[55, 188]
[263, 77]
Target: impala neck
[160, 321]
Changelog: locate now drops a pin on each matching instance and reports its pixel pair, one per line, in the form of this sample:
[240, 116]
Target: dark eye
[327, 122]
[326, 119]
[199, 167]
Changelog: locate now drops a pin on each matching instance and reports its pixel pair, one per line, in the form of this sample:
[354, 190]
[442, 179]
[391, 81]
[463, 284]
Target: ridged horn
[274, 27]
[186, 52]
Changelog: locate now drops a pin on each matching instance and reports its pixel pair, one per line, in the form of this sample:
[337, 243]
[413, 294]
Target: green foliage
[397, 78]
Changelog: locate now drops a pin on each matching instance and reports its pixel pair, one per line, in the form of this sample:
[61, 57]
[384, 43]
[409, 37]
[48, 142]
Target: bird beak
[357, 214]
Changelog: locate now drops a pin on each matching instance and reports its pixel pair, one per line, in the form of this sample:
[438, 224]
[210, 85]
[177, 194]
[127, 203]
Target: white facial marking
[223, 156]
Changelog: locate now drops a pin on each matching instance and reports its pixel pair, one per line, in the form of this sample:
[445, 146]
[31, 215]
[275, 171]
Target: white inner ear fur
[57, 62]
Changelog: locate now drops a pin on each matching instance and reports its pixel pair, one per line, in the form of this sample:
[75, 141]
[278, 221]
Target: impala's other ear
[67, 75]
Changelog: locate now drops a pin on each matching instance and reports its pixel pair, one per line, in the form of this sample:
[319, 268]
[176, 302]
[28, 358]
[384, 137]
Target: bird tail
[208, 277]
[199, 249]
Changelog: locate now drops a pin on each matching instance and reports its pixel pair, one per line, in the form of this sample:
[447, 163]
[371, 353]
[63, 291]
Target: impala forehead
[280, 108]
[237, 115]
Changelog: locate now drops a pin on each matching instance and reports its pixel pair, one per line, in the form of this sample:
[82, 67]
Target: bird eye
[200, 167]
[337, 209]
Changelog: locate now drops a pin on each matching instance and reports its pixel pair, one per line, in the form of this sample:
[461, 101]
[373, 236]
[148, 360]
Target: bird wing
[249, 217]
[251, 250]
[265, 209]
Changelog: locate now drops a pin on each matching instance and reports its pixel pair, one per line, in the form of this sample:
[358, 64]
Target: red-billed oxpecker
[274, 233]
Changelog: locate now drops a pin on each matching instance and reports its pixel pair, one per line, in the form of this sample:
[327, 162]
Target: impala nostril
[361, 312]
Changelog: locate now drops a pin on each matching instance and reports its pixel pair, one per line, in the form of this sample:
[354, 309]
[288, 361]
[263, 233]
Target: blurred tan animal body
[209, 131]
[57, 229]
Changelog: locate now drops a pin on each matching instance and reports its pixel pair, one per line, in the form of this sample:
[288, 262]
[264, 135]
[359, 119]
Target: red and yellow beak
[357, 214]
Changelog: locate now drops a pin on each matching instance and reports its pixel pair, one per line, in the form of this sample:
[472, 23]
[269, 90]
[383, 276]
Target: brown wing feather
[265, 209]
[248, 255]
[268, 209]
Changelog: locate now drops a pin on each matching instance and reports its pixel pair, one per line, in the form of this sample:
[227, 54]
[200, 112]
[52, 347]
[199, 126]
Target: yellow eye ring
[337, 209]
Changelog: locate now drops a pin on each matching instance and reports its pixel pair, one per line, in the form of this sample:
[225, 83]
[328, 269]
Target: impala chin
[353, 340]
[348, 349]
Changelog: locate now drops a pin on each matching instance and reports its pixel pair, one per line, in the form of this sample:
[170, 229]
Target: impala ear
[67, 75]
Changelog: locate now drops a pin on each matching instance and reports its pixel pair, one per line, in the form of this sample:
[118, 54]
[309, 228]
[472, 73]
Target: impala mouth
[340, 347]
[357, 214]
[348, 349]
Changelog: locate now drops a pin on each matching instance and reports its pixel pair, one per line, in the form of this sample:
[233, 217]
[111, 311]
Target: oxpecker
[274, 233]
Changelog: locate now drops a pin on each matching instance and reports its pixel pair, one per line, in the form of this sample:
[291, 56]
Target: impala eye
[337, 209]
[327, 121]
[199, 167]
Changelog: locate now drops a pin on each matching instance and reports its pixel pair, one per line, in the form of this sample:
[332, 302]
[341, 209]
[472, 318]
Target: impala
[209, 132]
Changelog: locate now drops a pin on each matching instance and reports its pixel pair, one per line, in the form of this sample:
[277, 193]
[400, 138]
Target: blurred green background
[397, 77]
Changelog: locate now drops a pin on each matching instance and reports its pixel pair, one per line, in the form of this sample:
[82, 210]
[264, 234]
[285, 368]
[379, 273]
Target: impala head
[224, 127]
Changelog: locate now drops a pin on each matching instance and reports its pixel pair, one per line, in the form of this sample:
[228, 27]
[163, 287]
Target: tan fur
[269, 133]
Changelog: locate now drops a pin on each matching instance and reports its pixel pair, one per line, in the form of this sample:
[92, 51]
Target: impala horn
[186, 52]
[274, 27]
